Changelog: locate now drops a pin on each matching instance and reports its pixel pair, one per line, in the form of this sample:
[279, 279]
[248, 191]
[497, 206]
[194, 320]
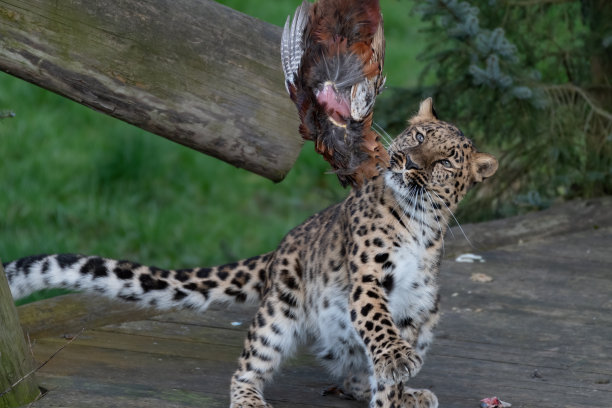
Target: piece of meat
[494, 402]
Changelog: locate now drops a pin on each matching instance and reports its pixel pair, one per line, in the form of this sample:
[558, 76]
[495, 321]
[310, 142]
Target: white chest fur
[414, 288]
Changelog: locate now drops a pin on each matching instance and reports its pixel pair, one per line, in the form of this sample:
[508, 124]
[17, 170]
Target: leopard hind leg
[272, 336]
[340, 350]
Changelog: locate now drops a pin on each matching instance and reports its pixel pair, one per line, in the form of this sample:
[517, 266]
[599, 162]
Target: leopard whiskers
[427, 203]
[400, 209]
[414, 206]
[422, 234]
[387, 139]
[456, 220]
[439, 216]
[408, 206]
[411, 207]
[403, 207]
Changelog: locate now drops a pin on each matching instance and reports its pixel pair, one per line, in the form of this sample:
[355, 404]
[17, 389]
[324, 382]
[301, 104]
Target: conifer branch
[583, 94]
[527, 3]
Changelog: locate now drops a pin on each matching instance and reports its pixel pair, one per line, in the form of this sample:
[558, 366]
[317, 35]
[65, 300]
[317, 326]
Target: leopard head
[433, 160]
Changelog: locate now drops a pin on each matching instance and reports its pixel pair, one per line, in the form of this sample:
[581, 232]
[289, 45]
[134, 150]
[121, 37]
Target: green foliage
[74, 180]
[519, 78]
[516, 79]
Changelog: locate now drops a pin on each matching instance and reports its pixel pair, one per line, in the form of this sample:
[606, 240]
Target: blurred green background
[528, 81]
[75, 180]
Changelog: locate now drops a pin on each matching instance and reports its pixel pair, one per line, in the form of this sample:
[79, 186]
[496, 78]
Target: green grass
[74, 180]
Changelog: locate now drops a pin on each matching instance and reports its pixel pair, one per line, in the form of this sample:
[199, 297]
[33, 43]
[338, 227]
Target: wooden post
[195, 72]
[15, 358]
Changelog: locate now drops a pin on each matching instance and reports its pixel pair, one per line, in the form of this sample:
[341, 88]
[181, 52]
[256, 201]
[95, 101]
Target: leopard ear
[483, 166]
[426, 113]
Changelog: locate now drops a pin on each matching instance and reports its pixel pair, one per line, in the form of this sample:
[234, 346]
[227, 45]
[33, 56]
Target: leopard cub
[360, 278]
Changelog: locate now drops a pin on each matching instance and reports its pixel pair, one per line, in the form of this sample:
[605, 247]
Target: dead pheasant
[332, 54]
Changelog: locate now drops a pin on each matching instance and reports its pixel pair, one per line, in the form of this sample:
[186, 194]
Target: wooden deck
[538, 334]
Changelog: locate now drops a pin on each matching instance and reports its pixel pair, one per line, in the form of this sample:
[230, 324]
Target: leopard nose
[410, 165]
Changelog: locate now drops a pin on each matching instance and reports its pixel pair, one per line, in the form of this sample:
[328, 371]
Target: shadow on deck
[538, 334]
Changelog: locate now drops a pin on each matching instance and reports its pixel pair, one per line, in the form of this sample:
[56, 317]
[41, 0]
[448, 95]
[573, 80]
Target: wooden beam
[15, 358]
[195, 72]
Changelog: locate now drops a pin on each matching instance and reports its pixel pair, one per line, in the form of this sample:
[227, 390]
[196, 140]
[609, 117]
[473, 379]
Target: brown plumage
[332, 54]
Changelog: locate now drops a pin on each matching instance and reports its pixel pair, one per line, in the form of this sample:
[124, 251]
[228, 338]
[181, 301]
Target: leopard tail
[147, 286]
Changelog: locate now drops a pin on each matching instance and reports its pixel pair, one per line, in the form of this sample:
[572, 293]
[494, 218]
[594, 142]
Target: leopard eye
[419, 137]
[446, 163]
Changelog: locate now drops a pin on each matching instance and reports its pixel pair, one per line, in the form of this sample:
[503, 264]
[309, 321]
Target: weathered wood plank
[195, 72]
[15, 358]
[461, 382]
[537, 335]
[569, 217]
[198, 372]
[91, 393]
[178, 331]
[547, 308]
[69, 314]
[233, 317]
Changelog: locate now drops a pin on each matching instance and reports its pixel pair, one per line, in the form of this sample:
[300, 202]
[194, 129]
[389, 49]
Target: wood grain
[69, 314]
[536, 335]
[15, 358]
[195, 72]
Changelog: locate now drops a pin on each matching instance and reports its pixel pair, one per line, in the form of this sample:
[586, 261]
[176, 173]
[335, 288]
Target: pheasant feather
[332, 54]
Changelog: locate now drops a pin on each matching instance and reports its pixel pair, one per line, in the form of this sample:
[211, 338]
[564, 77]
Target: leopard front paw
[396, 363]
[250, 404]
[423, 398]
[245, 395]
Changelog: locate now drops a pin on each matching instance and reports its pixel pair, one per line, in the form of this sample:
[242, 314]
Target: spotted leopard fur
[361, 277]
